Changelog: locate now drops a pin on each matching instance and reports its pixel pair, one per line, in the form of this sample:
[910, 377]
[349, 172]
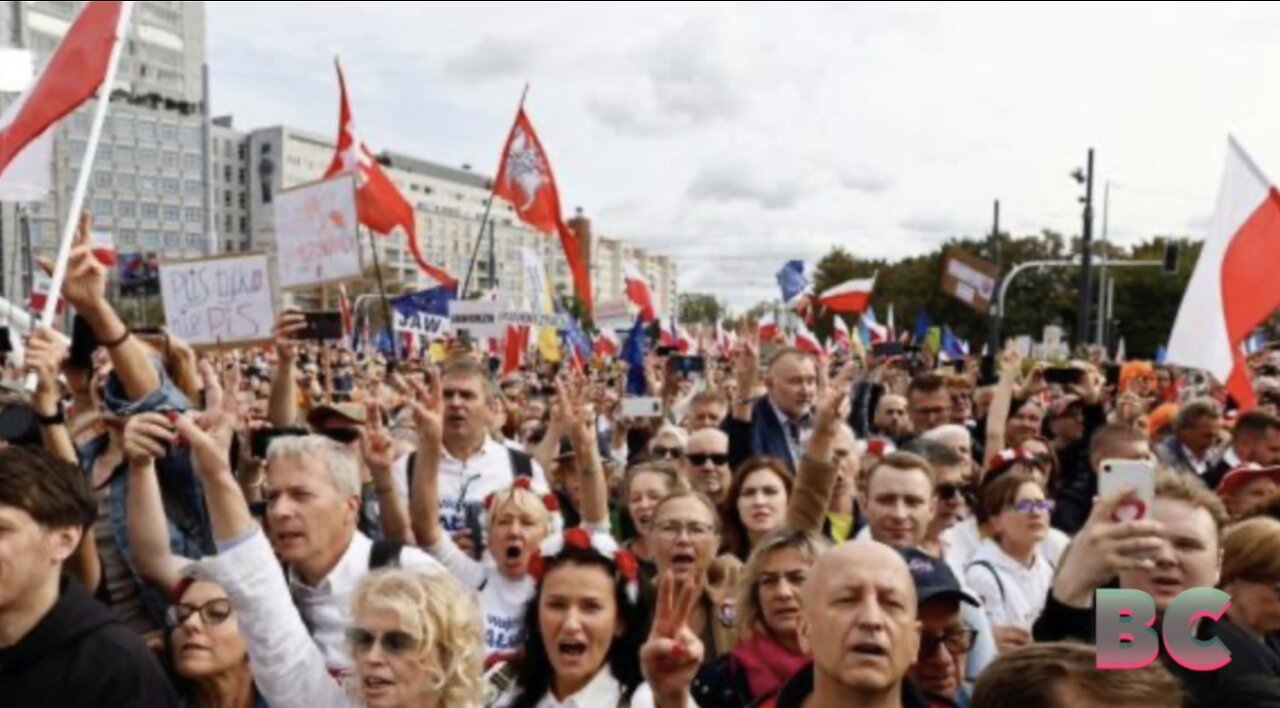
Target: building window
[191, 136]
[102, 180]
[170, 186]
[226, 174]
[126, 181]
[227, 220]
[77, 149]
[172, 214]
[106, 152]
[146, 185]
[172, 239]
[242, 177]
[244, 226]
[241, 152]
[128, 238]
[149, 239]
[146, 157]
[194, 188]
[194, 215]
[244, 201]
[124, 155]
[227, 152]
[171, 160]
[126, 210]
[195, 242]
[147, 130]
[150, 211]
[226, 198]
[102, 208]
[122, 126]
[168, 133]
[191, 161]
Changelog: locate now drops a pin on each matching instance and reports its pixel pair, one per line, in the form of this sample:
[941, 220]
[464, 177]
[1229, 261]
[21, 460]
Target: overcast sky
[737, 136]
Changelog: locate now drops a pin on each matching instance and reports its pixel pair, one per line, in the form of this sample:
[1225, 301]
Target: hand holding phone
[322, 326]
[1137, 476]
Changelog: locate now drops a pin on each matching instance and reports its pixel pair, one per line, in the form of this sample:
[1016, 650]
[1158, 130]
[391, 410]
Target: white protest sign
[317, 234]
[491, 319]
[421, 323]
[218, 301]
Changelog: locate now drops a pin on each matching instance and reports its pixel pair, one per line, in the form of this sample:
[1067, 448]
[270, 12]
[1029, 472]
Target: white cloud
[736, 136]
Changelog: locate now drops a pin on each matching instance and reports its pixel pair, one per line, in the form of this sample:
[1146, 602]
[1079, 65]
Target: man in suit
[1255, 439]
[779, 423]
[1195, 435]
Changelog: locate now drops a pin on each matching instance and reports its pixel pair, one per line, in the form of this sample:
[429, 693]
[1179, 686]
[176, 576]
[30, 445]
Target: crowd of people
[301, 525]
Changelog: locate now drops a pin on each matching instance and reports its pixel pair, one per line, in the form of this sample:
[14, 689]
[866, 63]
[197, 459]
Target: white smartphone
[1138, 475]
[641, 408]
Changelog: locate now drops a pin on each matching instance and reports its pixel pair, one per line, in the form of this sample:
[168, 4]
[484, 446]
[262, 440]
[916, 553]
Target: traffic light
[1172, 254]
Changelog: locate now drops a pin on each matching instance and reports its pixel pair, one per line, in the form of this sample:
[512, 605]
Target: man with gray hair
[1197, 431]
[313, 502]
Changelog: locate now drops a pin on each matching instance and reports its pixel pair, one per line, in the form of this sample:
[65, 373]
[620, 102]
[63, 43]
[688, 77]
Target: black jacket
[1249, 656]
[797, 691]
[79, 656]
[764, 436]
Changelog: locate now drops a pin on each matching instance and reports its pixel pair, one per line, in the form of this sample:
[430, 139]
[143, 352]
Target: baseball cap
[349, 412]
[934, 579]
[1241, 476]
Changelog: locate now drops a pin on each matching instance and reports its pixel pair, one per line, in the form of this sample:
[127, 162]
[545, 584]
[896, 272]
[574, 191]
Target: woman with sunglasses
[669, 444]
[1010, 572]
[416, 640]
[585, 642]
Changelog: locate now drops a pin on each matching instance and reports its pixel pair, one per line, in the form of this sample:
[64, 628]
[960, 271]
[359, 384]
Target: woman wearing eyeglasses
[686, 539]
[207, 651]
[1009, 572]
[757, 505]
[669, 444]
[768, 653]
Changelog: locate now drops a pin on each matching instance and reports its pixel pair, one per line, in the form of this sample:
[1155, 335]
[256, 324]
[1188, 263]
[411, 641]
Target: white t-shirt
[1012, 594]
[502, 600]
[464, 484]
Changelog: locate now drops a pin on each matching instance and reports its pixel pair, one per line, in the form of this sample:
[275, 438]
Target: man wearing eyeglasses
[706, 464]
[945, 639]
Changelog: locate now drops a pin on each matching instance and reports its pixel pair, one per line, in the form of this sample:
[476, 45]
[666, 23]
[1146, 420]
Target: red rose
[627, 565]
[536, 565]
[524, 483]
[578, 538]
[552, 504]
[488, 502]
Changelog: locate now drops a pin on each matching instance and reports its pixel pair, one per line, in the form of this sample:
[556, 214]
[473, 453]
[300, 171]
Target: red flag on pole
[379, 205]
[525, 179]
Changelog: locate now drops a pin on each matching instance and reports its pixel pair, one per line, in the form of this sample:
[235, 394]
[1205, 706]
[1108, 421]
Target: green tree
[699, 308]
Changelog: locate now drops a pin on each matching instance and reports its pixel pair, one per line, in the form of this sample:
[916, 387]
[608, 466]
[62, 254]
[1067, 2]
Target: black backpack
[385, 554]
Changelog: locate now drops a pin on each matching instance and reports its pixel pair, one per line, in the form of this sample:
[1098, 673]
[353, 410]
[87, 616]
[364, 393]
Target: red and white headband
[549, 501]
[603, 544]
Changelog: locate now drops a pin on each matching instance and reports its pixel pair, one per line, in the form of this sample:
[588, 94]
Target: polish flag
[807, 342]
[379, 205]
[607, 344]
[72, 76]
[878, 333]
[515, 350]
[769, 329]
[843, 340]
[850, 298]
[103, 245]
[344, 307]
[639, 292]
[725, 341]
[1234, 288]
[40, 293]
[685, 343]
[676, 337]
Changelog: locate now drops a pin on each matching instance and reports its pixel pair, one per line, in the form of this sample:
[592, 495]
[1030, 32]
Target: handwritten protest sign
[218, 301]
[317, 234]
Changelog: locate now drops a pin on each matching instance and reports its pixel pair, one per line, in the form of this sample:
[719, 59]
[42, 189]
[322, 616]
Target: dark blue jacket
[764, 436]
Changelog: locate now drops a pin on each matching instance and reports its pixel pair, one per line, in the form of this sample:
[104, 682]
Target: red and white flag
[807, 341]
[515, 349]
[607, 344]
[525, 179]
[725, 341]
[843, 339]
[103, 245]
[72, 76]
[40, 293]
[639, 292]
[876, 332]
[849, 298]
[1234, 288]
[379, 205]
[769, 329]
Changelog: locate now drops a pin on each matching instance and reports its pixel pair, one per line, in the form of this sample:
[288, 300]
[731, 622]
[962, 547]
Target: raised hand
[147, 438]
[673, 654]
[376, 445]
[44, 357]
[85, 287]
[427, 403]
[288, 326]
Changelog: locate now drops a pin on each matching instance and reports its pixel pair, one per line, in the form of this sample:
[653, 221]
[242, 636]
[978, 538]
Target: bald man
[859, 623]
[706, 464]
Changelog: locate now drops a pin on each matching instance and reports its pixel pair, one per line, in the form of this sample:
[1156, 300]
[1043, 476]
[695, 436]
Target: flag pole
[386, 303]
[82, 181]
[484, 221]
